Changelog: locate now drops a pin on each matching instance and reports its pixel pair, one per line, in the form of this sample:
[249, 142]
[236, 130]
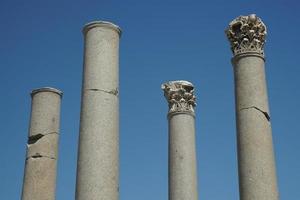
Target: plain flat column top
[106, 24]
[46, 89]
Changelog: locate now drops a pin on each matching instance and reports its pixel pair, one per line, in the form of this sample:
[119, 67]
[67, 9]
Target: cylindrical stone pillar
[41, 159]
[182, 150]
[98, 154]
[257, 174]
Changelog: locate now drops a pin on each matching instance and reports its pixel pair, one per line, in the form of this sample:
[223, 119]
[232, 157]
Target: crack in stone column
[266, 114]
[113, 92]
[37, 156]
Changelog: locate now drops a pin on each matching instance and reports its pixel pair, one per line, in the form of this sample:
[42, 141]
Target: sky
[42, 45]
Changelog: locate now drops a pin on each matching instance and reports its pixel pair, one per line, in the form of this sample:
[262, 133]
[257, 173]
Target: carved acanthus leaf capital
[180, 96]
[247, 34]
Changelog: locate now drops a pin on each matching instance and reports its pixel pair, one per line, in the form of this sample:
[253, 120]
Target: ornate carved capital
[247, 34]
[180, 96]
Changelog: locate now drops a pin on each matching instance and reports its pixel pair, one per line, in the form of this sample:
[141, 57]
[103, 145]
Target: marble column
[41, 159]
[182, 150]
[257, 173]
[98, 153]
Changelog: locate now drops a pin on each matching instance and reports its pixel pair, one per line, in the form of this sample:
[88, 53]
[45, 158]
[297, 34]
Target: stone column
[257, 174]
[182, 150]
[98, 154]
[40, 166]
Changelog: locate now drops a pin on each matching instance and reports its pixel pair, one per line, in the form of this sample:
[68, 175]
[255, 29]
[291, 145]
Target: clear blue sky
[42, 45]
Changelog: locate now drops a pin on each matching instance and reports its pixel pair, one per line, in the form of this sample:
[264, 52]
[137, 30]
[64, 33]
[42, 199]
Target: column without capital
[257, 173]
[98, 153]
[182, 150]
[41, 159]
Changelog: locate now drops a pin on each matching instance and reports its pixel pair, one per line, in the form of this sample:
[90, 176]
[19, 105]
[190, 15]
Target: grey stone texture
[41, 159]
[98, 154]
[182, 147]
[257, 173]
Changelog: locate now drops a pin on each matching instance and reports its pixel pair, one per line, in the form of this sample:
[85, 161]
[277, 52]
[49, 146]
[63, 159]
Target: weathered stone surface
[256, 160]
[45, 108]
[98, 155]
[250, 82]
[40, 179]
[182, 150]
[101, 56]
[40, 166]
[182, 158]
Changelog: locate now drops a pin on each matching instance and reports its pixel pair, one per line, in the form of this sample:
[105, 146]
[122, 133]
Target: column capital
[247, 34]
[180, 96]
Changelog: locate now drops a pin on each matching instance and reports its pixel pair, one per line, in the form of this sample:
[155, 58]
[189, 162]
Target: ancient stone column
[257, 174]
[182, 150]
[40, 166]
[98, 154]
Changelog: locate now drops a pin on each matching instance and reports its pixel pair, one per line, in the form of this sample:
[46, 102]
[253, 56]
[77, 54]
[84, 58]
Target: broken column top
[46, 89]
[247, 34]
[180, 96]
[106, 24]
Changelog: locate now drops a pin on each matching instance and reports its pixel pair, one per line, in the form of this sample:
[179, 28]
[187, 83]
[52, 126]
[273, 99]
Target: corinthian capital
[180, 96]
[247, 34]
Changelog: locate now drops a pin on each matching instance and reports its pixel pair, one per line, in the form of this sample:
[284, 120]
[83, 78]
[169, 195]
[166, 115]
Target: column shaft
[98, 154]
[257, 174]
[182, 158]
[41, 159]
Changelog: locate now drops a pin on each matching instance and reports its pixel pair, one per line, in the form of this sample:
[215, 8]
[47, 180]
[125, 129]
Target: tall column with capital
[182, 150]
[42, 146]
[257, 173]
[98, 154]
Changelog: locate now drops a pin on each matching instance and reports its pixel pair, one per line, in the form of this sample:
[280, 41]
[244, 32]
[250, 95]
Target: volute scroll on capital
[180, 96]
[247, 34]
